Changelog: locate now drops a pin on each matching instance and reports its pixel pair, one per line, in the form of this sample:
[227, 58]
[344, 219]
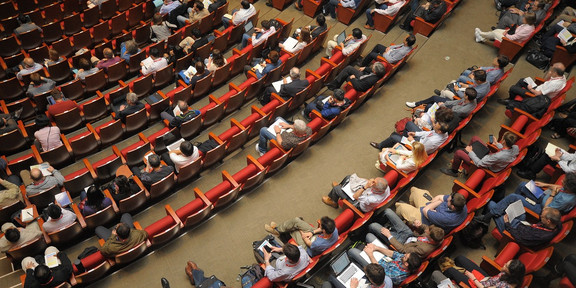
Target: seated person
[127, 49]
[444, 211]
[121, 238]
[561, 158]
[330, 6]
[39, 275]
[303, 39]
[201, 73]
[94, 3]
[9, 192]
[529, 235]
[554, 83]
[495, 162]
[479, 84]
[196, 276]
[58, 218]
[26, 25]
[294, 261]
[197, 12]
[27, 67]
[108, 60]
[93, 201]
[383, 7]
[368, 193]
[392, 54]
[361, 79]
[315, 30]
[84, 69]
[287, 89]
[521, 34]
[62, 104]
[422, 241]
[53, 57]
[153, 172]
[160, 30]
[401, 266]
[328, 108]
[314, 240]
[430, 139]
[375, 274]
[239, 15]
[408, 161]
[157, 62]
[493, 73]
[431, 12]
[187, 154]
[275, 62]
[513, 16]
[14, 237]
[46, 135]
[39, 85]
[215, 61]
[511, 275]
[462, 107]
[287, 140]
[39, 182]
[168, 6]
[132, 106]
[550, 40]
[350, 44]
[7, 123]
[259, 36]
[193, 42]
[178, 116]
[215, 5]
[122, 187]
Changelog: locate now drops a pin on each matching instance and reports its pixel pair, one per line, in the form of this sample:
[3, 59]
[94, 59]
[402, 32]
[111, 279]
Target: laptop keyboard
[348, 274]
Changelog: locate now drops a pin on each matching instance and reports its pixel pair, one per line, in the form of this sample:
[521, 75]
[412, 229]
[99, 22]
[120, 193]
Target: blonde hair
[419, 153]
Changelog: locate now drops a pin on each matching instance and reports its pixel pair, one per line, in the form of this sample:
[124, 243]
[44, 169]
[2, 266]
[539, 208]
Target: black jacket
[289, 90]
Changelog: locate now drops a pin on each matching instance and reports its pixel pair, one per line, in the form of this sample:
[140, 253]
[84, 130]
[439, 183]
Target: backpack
[534, 153]
[472, 234]
[252, 275]
[536, 106]
[211, 282]
[538, 59]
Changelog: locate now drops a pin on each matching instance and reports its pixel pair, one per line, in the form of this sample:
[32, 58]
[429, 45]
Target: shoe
[329, 202]
[165, 283]
[334, 183]
[479, 39]
[306, 116]
[258, 149]
[374, 145]
[493, 27]
[503, 101]
[324, 12]
[526, 174]
[369, 27]
[411, 104]
[437, 92]
[297, 7]
[268, 4]
[271, 230]
[449, 172]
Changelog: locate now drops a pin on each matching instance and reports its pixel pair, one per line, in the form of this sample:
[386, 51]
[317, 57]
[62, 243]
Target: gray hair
[381, 184]
[182, 105]
[295, 73]
[379, 69]
[131, 97]
[299, 126]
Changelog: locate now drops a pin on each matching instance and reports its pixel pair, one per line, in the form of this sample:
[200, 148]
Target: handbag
[538, 59]
[400, 126]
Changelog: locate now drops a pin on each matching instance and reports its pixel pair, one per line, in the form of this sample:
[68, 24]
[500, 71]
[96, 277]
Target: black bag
[211, 282]
[252, 275]
[87, 252]
[472, 234]
[538, 59]
[207, 145]
[536, 105]
[258, 254]
[534, 153]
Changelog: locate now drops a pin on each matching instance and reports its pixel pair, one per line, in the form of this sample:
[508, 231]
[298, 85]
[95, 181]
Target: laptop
[341, 38]
[346, 270]
[479, 149]
[248, 27]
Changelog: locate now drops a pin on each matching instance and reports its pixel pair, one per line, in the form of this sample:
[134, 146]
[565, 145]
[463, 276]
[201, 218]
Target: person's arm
[430, 207]
[12, 191]
[57, 175]
[65, 262]
[306, 237]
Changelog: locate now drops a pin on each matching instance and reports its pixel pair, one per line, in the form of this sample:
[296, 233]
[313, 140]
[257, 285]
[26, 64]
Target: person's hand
[468, 148]
[352, 77]
[267, 255]
[385, 232]
[410, 138]
[557, 155]
[373, 11]
[369, 248]
[50, 169]
[307, 235]
[361, 68]
[411, 134]
[276, 249]
[563, 42]
[470, 275]
[539, 184]
[417, 223]
[263, 64]
[277, 129]
[386, 150]
[30, 265]
[284, 125]
[122, 107]
[505, 217]
[354, 282]
[370, 183]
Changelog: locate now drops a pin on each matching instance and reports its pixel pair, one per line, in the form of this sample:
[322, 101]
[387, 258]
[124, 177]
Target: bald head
[36, 175]
[28, 62]
[295, 73]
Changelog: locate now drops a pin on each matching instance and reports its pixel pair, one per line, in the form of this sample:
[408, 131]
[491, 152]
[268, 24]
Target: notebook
[278, 84]
[191, 71]
[27, 215]
[43, 167]
[63, 199]
[341, 37]
[535, 190]
[346, 270]
[158, 3]
[479, 149]
[153, 98]
[277, 122]
[515, 209]
[377, 255]
[175, 145]
[290, 42]
[551, 149]
[51, 260]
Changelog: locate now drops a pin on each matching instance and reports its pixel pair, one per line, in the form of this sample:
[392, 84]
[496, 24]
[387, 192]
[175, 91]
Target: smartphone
[268, 249]
[427, 196]
[491, 138]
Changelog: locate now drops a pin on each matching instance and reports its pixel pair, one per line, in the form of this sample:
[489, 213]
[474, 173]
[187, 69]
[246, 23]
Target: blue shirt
[563, 201]
[269, 67]
[321, 244]
[444, 217]
[493, 74]
[394, 268]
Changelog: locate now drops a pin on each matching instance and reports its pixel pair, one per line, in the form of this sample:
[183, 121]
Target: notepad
[565, 35]
[175, 145]
[551, 149]
[530, 82]
[535, 190]
[277, 123]
[63, 199]
[514, 210]
[43, 167]
[377, 255]
[258, 68]
[51, 260]
[190, 72]
[278, 84]
[290, 42]
[27, 215]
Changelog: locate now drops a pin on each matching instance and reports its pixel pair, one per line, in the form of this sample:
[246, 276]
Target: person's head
[327, 224]
[339, 95]
[83, 63]
[23, 19]
[53, 55]
[57, 94]
[187, 148]
[154, 161]
[375, 274]
[196, 33]
[457, 202]
[131, 47]
[436, 233]
[295, 73]
[509, 139]
[299, 127]
[538, 5]
[200, 68]
[182, 105]
[292, 252]
[514, 271]
[444, 115]
[157, 19]
[167, 2]
[274, 56]
[470, 93]
[108, 53]
[122, 184]
[36, 175]
[569, 182]
[440, 127]
[412, 261]
[380, 185]
[357, 33]
[530, 18]
[410, 40]
[245, 4]
[12, 234]
[480, 75]
[35, 78]
[551, 217]
[501, 61]
[154, 53]
[54, 211]
[94, 197]
[379, 69]
[305, 35]
[265, 24]
[199, 6]
[43, 274]
[320, 20]
[41, 121]
[131, 98]
[123, 231]
[557, 70]
[419, 153]
[28, 62]
[217, 58]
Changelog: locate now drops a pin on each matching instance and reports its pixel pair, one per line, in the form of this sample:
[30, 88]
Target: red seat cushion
[218, 190]
[190, 208]
[270, 156]
[81, 135]
[160, 226]
[75, 174]
[104, 125]
[104, 161]
[132, 147]
[344, 220]
[93, 260]
[245, 173]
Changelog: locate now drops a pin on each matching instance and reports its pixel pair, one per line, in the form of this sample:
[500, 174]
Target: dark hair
[199, 5]
[157, 19]
[305, 35]
[410, 40]
[569, 182]
[187, 148]
[35, 78]
[274, 56]
[43, 274]
[480, 75]
[375, 273]
[503, 61]
[53, 55]
[436, 2]
[509, 138]
[459, 201]
[557, 71]
[245, 4]
[436, 233]
[515, 275]
[321, 20]
[530, 18]
[339, 94]
[24, 19]
[357, 33]
[265, 24]
[42, 121]
[83, 63]
[292, 252]
[123, 231]
[54, 211]
[94, 197]
[12, 234]
[123, 185]
[56, 94]
[444, 115]
[154, 161]
[414, 262]
[154, 52]
[217, 58]
[327, 224]
[200, 68]
[471, 93]
[196, 33]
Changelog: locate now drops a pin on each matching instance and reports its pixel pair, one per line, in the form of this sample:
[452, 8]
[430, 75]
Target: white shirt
[404, 164]
[369, 200]
[393, 7]
[65, 220]
[567, 163]
[158, 64]
[299, 46]
[263, 37]
[352, 45]
[551, 87]
[181, 160]
[431, 140]
[243, 15]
